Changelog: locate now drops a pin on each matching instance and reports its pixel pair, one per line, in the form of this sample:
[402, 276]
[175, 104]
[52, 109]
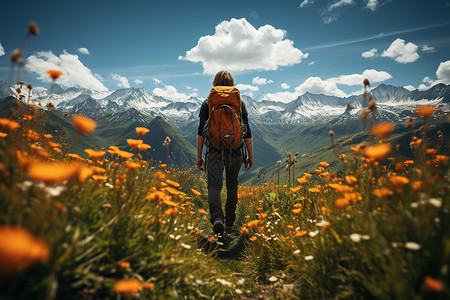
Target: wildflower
[83, 124]
[302, 180]
[355, 237]
[398, 180]
[163, 166]
[20, 249]
[169, 202]
[382, 192]
[132, 165]
[431, 151]
[413, 246]
[172, 183]
[377, 152]
[171, 211]
[441, 158]
[433, 284]
[202, 211]
[84, 172]
[52, 172]
[296, 189]
[186, 246]
[244, 230]
[331, 133]
[313, 233]
[150, 285]
[128, 286]
[324, 164]
[134, 143]
[253, 238]
[144, 147]
[309, 257]
[99, 177]
[33, 28]
[160, 176]
[54, 74]
[300, 233]
[124, 154]
[9, 125]
[383, 130]
[324, 224]
[124, 264]
[273, 279]
[417, 185]
[350, 179]
[74, 156]
[141, 130]
[95, 154]
[262, 216]
[341, 202]
[425, 111]
[195, 192]
[253, 224]
[297, 211]
[314, 190]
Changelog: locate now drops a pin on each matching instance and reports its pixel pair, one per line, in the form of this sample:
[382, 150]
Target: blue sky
[279, 48]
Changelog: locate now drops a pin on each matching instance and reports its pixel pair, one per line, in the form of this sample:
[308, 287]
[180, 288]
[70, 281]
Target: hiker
[223, 150]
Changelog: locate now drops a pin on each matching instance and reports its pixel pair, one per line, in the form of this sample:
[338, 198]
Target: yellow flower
[83, 124]
[20, 249]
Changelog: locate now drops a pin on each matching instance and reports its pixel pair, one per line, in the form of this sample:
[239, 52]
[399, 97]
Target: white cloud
[409, 88]
[83, 50]
[138, 81]
[237, 46]
[339, 4]
[311, 63]
[261, 81]
[305, 3]
[171, 93]
[402, 52]
[285, 86]
[357, 79]
[2, 51]
[122, 81]
[75, 73]
[99, 77]
[429, 49]
[157, 81]
[247, 87]
[372, 4]
[369, 54]
[443, 72]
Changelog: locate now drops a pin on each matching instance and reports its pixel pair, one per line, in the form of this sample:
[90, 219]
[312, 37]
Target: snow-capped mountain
[395, 103]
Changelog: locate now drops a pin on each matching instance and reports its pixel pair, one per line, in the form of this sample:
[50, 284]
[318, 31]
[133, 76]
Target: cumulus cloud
[372, 4]
[247, 87]
[157, 81]
[237, 46]
[83, 50]
[75, 73]
[443, 72]
[409, 88]
[261, 81]
[170, 92]
[121, 81]
[369, 54]
[427, 83]
[402, 52]
[285, 86]
[357, 79]
[99, 77]
[138, 81]
[2, 51]
[429, 49]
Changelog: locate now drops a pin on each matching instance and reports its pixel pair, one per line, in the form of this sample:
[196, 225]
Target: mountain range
[298, 126]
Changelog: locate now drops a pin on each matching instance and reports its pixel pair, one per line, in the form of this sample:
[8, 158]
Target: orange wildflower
[433, 284]
[350, 179]
[326, 210]
[291, 227]
[202, 211]
[124, 264]
[409, 163]
[134, 143]
[383, 130]
[398, 180]
[355, 149]
[297, 211]
[382, 192]
[52, 172]
[342, 156]
[29, 117]
[342, 202]
[95, 154]
[163, 166]
[3, 135]
[417, 185]
[128, 286]
[324, 164]
[84, 173]
[149, 285]
[83, 124]
[378, 152]
[169, 202]
[296, 189]
[20, 249]
[425, 111]
[300, 233]
[99, 177]
[160, 176]
[302, 180]
[195, 192]
[253, 224]
[98, 170]
[171, 211]
[132, 165]
[253, 238]
[73, 155]
[141, 130]
[431, 151]
[262, 216]
[172, 183]
[244, 230]
[314, 190]
[144, 147]
[124, 154]
[9, 125]
[441, 158]
[48, 136]
[54, 74]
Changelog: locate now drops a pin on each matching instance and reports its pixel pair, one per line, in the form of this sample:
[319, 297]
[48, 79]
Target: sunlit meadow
[107, 224]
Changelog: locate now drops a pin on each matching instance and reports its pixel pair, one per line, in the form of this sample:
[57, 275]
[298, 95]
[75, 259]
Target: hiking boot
[218, 228]
[229, 229]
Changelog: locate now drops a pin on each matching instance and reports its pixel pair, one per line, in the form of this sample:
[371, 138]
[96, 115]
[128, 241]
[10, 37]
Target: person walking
[228, 145]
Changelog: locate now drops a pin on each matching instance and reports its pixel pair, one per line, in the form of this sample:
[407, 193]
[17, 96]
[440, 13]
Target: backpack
[224, 128]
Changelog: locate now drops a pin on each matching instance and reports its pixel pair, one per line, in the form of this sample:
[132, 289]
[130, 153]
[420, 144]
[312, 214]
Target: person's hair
[223, 78]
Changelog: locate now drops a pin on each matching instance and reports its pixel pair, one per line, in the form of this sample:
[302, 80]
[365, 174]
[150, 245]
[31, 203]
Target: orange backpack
[224, 127]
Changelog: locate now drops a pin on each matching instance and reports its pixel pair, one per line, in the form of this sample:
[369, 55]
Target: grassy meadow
[106, 224]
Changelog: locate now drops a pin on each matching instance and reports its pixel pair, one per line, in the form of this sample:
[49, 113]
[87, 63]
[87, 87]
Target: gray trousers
[215, 164]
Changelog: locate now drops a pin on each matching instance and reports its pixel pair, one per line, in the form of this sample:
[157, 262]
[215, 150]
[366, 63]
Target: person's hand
[201, 163]
[248, 163]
